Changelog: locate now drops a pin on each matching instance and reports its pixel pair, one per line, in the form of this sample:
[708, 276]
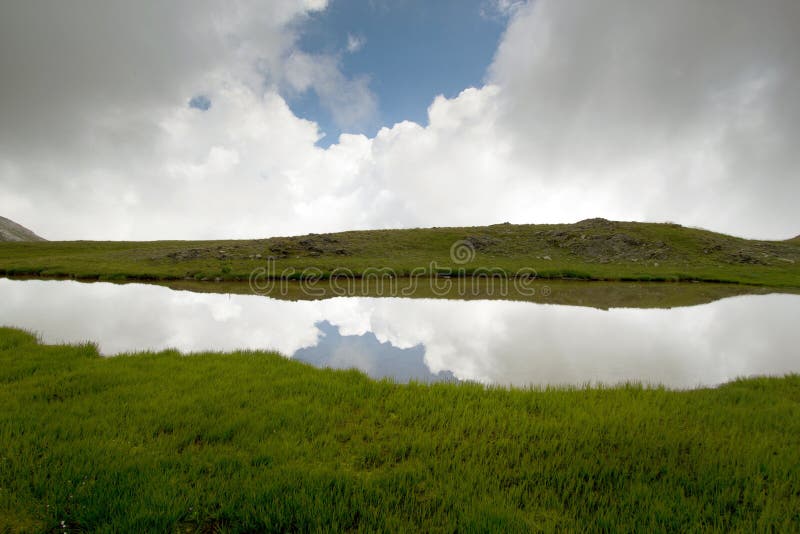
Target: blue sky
[410, 51]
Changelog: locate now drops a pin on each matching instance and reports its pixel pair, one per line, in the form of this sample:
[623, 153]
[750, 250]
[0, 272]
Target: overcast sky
[200, 119]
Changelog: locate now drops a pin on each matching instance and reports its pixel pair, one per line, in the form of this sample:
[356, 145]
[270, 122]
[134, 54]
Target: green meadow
[252, 442]
[594, 249]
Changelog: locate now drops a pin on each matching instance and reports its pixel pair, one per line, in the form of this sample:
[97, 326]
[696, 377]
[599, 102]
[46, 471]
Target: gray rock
[11, 231]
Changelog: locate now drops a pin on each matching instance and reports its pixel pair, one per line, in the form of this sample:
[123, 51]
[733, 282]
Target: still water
[490, 341]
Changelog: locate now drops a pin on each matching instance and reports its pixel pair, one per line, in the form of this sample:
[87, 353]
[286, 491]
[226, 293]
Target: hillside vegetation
[255, 442]
[594, 249]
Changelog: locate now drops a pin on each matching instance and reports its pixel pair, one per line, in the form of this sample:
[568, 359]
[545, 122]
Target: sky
[248, 118]
[406, 52]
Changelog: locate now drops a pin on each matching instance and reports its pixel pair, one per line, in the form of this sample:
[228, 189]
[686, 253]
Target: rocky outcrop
[11, 231]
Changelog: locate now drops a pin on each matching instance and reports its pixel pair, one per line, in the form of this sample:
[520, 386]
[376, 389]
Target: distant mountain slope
[11, 231]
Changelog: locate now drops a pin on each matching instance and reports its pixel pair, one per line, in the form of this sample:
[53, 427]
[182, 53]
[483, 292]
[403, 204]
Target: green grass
[256, 442]
[590, 250]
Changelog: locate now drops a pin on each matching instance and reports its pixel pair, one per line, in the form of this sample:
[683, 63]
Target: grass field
[590, 250]
[257, 442]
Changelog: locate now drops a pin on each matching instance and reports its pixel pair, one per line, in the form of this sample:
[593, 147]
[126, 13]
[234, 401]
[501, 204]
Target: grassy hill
[594, 249]
[254, 442]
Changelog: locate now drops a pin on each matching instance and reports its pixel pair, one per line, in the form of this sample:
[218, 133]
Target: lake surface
[490, 341]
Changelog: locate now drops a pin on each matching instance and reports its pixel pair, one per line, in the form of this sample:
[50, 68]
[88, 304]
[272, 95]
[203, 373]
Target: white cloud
[681, 109]
[350, 101]
[355, 42]
[493, 9]
[631, 110]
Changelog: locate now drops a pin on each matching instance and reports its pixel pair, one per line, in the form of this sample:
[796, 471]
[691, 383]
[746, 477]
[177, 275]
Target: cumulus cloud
[355, 42]
[350, 101]
[644, 110]
[493, 9]
[68, 66]
[682, 108]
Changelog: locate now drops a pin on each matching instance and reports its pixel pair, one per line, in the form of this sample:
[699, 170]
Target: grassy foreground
[256, 442]
[594, 249]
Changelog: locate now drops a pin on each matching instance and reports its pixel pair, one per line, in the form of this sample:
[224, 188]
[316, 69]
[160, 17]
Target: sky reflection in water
[500, 342]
